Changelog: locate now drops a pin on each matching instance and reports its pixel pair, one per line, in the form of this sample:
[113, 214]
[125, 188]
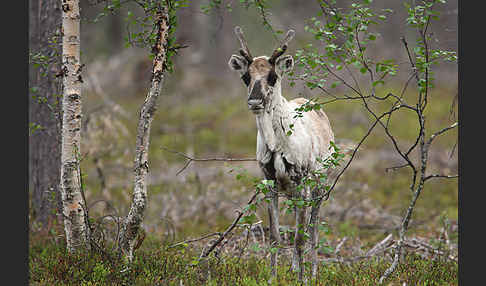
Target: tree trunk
[44, 142]
[133, 220]
[74, 206]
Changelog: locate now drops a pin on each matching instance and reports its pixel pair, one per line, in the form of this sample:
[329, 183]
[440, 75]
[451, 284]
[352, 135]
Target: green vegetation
[50, 264]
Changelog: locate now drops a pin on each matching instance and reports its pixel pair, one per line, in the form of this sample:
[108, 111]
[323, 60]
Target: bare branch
[191, 159]
[342, 80]
[441, 132]
[453, 150]
[441, 176]
[353, 77]
[340, 244]
[395, 167]
[194, 240]
[400, 99]
[387, 131]
[326, 195]
[410, 57]
[380, 245]
[228, 230]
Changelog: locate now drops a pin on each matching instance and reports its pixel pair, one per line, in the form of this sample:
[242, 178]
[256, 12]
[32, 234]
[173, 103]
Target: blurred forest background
[202, 112]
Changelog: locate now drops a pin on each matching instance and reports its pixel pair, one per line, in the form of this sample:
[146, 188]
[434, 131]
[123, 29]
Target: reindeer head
[262, 75]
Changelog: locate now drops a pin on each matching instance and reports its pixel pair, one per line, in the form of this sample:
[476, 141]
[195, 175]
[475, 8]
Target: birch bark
[134, 219]
[74, 206]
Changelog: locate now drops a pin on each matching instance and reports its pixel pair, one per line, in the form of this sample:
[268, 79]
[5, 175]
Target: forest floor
[156, 263]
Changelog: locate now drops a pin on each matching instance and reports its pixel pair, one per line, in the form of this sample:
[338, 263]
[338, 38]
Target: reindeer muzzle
[255, 100]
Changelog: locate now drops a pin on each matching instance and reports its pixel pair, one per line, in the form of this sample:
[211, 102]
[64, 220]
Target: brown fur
[260, 67]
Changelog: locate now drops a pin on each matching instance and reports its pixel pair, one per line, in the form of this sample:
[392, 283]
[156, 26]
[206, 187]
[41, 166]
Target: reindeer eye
[272, 78]
[246, 78]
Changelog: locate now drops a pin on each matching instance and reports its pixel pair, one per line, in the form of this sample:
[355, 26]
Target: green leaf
[375, 83]
[248, 219]
[335, 84]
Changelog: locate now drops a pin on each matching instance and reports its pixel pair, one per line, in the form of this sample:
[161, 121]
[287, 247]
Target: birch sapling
[133, 221]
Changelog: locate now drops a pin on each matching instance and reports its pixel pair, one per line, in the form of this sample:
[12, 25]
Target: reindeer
[283, 156]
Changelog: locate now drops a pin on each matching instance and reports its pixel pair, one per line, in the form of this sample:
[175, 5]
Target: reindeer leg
[295, 259]
[299, 240]
[275, 239]
[314, 230]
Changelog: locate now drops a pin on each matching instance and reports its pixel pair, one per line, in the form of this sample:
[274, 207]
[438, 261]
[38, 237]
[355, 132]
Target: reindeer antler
[282, 48]
[244, 51]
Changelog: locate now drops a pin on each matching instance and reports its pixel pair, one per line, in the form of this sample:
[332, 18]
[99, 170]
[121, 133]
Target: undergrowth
[154, 264]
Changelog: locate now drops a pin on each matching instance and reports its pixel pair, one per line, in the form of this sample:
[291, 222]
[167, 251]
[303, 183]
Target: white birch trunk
[74, 206]
[134, 219]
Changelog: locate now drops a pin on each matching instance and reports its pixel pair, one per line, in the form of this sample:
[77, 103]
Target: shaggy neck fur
[274, 146]
[268, 121]
[288, 157]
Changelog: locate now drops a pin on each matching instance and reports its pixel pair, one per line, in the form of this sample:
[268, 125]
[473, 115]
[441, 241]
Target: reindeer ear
[285, 64]
[237, 63]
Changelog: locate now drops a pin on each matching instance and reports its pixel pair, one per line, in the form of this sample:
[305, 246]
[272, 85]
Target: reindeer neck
[279, 102]
[273, 123]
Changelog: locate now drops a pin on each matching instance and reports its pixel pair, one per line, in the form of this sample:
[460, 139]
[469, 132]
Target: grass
[50, 264]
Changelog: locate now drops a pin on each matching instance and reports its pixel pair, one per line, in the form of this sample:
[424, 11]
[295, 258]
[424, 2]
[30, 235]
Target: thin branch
[395, 167]
[244, 247]
[453, 150]
[380, 246]
[260, 7]
[326, 195]
[363, 60]
[340, 244]
[194, 240]
[387, 131]
[342, 80]
[228, 230]
[353, 77]
[410, 57]
[441, 132]
[441, 176]
[191, 159]
[400, 99]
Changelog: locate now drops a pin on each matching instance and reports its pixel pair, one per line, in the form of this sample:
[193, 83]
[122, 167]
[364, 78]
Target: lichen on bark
[74, 206]
[133, 221]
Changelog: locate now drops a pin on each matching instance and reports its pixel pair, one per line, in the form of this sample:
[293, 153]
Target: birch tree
[132, 222]
[73, 203]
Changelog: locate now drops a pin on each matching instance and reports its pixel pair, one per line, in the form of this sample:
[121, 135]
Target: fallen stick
[227, 231]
